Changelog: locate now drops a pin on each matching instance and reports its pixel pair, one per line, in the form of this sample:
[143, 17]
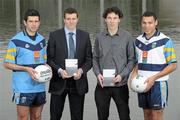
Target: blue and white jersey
[24, 51]
[154, 54]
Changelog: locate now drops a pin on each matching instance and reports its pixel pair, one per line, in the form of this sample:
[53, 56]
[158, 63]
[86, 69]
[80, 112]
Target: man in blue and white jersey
[156, 59]
[26, 50]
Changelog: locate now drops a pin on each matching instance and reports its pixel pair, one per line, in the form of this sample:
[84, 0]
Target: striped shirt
[154, 54]
[24, 51]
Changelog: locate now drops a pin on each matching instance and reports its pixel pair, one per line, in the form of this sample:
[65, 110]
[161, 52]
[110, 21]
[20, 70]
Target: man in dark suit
[64, 44]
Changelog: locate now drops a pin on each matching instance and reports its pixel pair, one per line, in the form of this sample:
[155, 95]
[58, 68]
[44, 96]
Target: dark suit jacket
[57, 52]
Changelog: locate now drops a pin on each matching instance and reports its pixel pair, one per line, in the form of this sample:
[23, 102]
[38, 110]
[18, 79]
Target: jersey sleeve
[11, 53]
[169, 52]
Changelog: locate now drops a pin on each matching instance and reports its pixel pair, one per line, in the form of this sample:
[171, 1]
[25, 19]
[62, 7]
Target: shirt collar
[157, 33]
[31, 37]
[107, 33]
[67, 31]
[26, 34]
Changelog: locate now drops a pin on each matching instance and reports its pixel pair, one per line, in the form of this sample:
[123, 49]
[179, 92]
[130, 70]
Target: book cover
[108, 75]
[71, 66]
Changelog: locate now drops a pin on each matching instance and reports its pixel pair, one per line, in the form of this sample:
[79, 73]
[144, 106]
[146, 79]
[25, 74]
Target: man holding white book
[70, 56]
[113, 60]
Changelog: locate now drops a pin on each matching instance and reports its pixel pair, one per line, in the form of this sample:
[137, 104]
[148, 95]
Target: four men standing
[69, 54]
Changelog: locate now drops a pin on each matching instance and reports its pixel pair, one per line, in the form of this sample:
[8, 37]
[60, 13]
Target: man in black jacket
[66, 44]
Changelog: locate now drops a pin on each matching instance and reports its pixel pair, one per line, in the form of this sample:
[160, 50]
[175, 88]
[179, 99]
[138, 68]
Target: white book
[109, 75]
[71, 66]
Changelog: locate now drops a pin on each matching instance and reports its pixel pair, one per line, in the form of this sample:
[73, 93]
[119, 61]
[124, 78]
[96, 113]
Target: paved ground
[8, 112]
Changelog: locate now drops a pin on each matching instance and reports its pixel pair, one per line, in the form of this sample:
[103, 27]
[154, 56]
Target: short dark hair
[70, 11]
[31, 12]
[149, 14]
[115, 10]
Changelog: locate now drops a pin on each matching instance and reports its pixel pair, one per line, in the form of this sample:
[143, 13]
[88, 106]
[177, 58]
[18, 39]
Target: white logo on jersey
[41, 44]
[27, 46]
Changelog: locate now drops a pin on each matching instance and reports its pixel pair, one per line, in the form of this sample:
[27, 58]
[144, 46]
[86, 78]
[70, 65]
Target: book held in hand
[71, 66]
[108, 75]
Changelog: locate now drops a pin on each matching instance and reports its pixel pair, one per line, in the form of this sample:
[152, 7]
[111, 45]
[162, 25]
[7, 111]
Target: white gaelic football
[138, 84]
[43, 74]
